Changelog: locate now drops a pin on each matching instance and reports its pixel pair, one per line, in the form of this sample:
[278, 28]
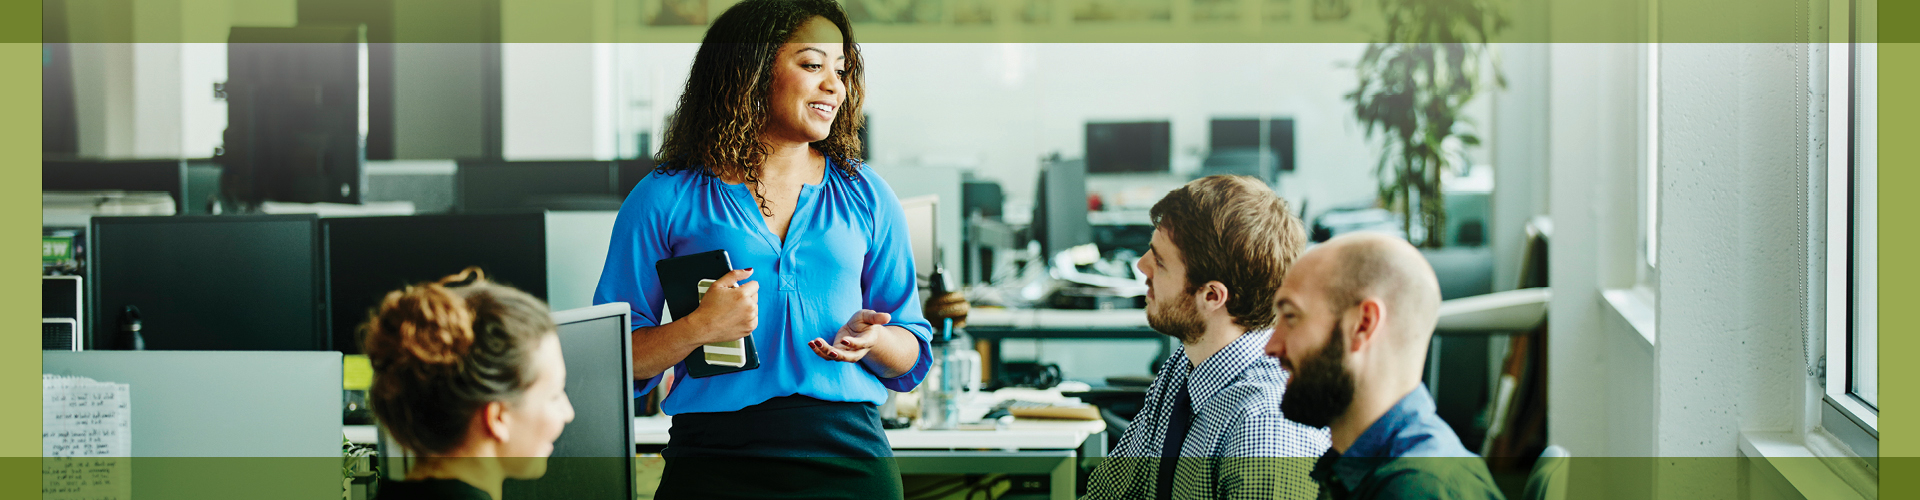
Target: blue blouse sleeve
[888, 280]
[640, 238]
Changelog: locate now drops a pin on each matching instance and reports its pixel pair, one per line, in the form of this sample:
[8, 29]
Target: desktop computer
[367, 257]
[214, 283]
[60, 305]
[1060, 207]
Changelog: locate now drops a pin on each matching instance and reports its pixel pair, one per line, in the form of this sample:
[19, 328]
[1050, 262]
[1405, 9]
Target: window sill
[1782, 458]
[1633, 306]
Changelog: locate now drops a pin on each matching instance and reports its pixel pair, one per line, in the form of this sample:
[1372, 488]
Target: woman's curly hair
[442, 350]
[716, 128]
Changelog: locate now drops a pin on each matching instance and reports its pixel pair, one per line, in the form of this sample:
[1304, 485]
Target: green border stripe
[568, 21]
[1899, 68]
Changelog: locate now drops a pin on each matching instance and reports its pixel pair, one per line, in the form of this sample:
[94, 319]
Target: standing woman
[761, 160]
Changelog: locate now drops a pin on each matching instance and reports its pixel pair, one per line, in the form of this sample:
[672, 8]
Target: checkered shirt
[1237, 446]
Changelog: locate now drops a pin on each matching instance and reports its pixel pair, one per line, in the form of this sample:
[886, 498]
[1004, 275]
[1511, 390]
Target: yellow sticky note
[357, 372]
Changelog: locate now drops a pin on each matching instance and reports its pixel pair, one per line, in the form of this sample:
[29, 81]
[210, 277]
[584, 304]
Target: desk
[1031, 449]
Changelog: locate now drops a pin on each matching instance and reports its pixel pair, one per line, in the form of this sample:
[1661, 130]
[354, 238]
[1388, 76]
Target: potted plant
[1413, 86]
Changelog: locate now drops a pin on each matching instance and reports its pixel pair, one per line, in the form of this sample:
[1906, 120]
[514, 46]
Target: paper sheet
[86, 439]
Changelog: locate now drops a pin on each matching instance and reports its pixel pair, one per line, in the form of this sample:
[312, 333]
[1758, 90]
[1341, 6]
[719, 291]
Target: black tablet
[680, 283]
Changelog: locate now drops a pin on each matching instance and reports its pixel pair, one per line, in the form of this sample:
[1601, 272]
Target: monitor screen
[1129, 147]
[216, 283]
[555, 185]
[593, 458]
[1234, 133]
[367, 257]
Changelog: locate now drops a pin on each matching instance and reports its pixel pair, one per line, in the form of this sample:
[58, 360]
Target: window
[1851, 403]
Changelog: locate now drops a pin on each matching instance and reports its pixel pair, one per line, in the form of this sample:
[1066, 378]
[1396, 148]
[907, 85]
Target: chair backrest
[1549, 478]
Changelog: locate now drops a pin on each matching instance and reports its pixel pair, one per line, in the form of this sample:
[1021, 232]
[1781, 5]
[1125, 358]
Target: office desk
[1045, 454]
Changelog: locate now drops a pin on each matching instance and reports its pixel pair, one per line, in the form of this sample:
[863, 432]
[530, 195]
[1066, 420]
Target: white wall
[1734, 315]
[999, 107]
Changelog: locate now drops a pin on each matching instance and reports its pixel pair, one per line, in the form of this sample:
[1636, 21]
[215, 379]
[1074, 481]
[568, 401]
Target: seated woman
[468, 378]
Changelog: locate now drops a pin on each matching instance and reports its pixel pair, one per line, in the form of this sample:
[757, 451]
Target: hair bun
[434, 327]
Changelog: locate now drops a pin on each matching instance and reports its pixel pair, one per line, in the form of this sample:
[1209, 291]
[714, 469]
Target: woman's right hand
[730, 310]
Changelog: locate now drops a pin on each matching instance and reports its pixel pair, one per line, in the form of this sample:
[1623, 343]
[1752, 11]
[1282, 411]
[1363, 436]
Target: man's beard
[1321, 389]
[1177, 317]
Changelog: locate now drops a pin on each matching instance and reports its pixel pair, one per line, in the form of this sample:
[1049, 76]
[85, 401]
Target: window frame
[1843, 414]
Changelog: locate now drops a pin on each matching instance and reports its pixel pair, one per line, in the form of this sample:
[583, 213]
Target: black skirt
[786, 447]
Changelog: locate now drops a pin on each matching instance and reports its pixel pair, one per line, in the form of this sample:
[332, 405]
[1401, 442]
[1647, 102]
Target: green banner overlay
[925, 477]
[996, 21]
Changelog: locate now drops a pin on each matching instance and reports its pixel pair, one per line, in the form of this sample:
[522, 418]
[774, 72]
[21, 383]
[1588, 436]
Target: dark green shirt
[1409, 453]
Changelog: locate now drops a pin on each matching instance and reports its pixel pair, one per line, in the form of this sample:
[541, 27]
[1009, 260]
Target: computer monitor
[169, 176]
[1233, 133]
[1228, 134]
[593, 458]
[367, 257]
[553, 185]
[220, 282]
[1060, 207]
[923, 221]
[296, 114]
[224, 406]
[1129, 147]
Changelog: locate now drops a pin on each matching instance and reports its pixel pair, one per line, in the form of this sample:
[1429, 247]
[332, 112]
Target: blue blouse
[846, 249]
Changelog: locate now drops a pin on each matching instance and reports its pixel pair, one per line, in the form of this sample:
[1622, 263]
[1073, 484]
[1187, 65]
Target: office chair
[1549, 478]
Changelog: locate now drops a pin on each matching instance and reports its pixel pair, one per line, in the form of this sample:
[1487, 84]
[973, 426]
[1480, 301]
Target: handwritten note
[86, 439]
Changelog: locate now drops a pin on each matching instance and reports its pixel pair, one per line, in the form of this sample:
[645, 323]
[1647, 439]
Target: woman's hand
[855, 338]
[730, 310]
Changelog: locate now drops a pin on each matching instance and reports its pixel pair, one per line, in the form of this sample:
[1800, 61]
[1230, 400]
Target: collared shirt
[1408, 453]
[1241, 446]
[846, 249]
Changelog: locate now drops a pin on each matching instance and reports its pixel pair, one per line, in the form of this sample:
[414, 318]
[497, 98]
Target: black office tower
[1060, 207]
[296, 114]
[217, 283]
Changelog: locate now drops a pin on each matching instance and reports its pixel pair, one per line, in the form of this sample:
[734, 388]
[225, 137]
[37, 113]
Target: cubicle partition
[213, 424]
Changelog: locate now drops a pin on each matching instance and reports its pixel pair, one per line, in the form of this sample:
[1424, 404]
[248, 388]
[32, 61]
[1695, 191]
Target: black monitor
[168, 176]
[1229, 134]
[553, 185]
[370, 256]
[1060, 207]
[593, 458]
[1129, 147]
[1233, 133]
[214, 283]
[296, 124]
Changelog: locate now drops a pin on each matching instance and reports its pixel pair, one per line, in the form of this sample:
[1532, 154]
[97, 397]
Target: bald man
[1355, 316]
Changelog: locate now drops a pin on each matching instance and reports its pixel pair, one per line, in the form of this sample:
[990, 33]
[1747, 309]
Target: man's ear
[493, 418]
[1367, 323]
[1214, 295]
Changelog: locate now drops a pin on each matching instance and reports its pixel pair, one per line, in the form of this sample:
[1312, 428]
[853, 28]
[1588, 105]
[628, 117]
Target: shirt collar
[1223, 367]
[1404, 425]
